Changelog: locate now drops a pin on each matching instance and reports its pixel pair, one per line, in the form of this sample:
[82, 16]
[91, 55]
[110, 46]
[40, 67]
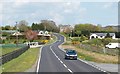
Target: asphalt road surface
[52, 60]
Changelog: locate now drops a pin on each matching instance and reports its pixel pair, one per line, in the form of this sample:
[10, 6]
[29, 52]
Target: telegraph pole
[16, 34]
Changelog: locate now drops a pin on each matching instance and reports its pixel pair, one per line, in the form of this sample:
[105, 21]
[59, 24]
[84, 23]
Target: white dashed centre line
[60, 60]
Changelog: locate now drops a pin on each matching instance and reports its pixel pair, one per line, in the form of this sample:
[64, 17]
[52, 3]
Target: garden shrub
[76, 41]
[83, 38]
[106, 41]
[96, 41]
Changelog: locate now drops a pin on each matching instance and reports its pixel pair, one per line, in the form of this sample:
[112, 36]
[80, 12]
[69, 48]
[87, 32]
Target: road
[52, 60]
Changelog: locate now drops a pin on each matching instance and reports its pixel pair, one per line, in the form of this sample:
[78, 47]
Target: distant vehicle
[71, 54]
[113, 45]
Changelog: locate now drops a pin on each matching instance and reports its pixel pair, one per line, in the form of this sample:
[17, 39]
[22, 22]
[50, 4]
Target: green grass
[9, 41]
[1, 60]
[67, 43]
[23, 62]
[9, 48]
[85, 57]
[0, 51]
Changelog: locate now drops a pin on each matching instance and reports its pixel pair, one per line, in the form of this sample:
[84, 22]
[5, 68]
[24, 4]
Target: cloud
[55, 11]
[108, 5]
[70, 6]
[60, 12]
[58, 18]
[20, 2]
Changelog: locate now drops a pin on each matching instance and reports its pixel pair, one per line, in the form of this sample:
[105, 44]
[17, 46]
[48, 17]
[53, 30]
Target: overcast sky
[62, 12]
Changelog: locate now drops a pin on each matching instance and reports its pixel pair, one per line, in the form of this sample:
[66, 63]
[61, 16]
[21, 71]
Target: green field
[23, 62]
[7, 48]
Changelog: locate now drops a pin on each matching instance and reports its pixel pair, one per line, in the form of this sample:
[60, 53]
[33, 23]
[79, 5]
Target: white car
[113, 45]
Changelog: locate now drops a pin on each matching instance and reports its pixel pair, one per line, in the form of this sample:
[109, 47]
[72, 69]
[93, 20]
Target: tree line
[43, 25]
[86, 29]
[78, 29]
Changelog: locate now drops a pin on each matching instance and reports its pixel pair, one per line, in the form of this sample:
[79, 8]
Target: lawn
[23, 62]
[10, 47]
[11, 41]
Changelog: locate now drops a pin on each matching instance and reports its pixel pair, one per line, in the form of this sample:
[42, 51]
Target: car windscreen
[71, 52]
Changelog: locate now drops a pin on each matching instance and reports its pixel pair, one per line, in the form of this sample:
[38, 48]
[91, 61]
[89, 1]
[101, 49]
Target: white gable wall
[114, 37]
[100, 37]
[93, 35]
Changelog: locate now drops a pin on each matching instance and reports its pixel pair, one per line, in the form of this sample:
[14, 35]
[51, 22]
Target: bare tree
[23, 25]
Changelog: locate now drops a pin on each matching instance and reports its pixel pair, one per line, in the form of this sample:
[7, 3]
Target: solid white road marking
[38, 64]
[92, 65]
[60, 60]
[88, 63]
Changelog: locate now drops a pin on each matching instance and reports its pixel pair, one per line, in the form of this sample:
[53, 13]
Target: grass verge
[8, 50]
[23, 62]
[93, 56]
[83, 56]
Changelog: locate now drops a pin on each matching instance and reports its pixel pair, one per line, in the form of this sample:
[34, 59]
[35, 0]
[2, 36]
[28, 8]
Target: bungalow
[101, 35]
[17, 33]
[20, 35]
[42, 35]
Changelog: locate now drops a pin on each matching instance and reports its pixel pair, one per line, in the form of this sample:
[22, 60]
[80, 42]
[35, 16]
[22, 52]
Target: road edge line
[38, 63]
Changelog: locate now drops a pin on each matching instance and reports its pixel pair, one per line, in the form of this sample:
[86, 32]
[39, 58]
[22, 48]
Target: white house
[101, 35]
[46, 33]
[41, 33]
[17, 33]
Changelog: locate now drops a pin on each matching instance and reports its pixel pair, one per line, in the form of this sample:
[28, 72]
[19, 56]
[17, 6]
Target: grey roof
[103, 34]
